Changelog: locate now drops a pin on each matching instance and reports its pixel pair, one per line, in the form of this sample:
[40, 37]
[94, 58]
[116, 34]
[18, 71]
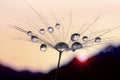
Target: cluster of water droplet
[62, 46]
[77, 45]
[43, 47]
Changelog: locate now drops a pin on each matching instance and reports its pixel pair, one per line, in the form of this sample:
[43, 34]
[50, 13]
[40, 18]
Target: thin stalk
[58, 65]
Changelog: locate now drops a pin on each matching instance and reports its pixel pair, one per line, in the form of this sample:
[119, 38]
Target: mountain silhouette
[104, 66]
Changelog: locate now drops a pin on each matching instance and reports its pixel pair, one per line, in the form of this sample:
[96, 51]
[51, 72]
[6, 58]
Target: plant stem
[58, 65]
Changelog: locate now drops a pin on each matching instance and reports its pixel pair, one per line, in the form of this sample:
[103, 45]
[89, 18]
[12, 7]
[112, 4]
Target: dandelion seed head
[59, 34]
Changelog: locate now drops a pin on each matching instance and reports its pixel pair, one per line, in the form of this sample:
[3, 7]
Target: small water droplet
[42, 31]
[29, 33]
[97, 39]
[34, 39]
[43, 47]
[57, 26]
[50, 29]
[76, 45]
[75, 37]
[85, 38]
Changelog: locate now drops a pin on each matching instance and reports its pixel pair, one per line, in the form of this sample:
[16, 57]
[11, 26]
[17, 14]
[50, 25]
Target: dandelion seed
[74, 43]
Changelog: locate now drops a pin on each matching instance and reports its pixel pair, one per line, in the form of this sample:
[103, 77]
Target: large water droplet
[57, 26]
[50, 29]
[75, 37]
[85, 38]
[42, 31]
[29, 33]
[43, 47]
[61, 47]
[97, 39]
[76, 45]
[34, 39]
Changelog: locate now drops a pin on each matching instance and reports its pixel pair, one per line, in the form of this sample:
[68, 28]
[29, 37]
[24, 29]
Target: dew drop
[43, 47]
[57, 26]
[97, 39]
[29, 33]
[50, 29]
[75, 37]
[61, 47]
[42, 31]
[85, 38]
[34, 39]
[76, 45]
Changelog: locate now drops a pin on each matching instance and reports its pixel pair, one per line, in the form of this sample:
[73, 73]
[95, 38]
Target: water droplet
[42, 31]
[97, 39]
[57, 26]
[75, 37]
[29, 33]
[85, 38]
[43, 47]
[50, 29]
[76, 45]
[61, 47]
[34, 39]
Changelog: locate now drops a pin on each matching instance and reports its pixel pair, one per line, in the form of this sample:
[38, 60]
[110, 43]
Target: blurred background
[23, 60]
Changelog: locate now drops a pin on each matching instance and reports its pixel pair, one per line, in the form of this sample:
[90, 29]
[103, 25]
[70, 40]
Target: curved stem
[58, 65]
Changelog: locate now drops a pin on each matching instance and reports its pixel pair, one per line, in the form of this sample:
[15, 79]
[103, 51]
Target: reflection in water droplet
[43, 47]
[85, 38]
[34, 39]
[50, 29]
[61, 47]
[76, 45]
[75, 37]
[97, 39]
[29, 33]
[57, 26]
[42, 31]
